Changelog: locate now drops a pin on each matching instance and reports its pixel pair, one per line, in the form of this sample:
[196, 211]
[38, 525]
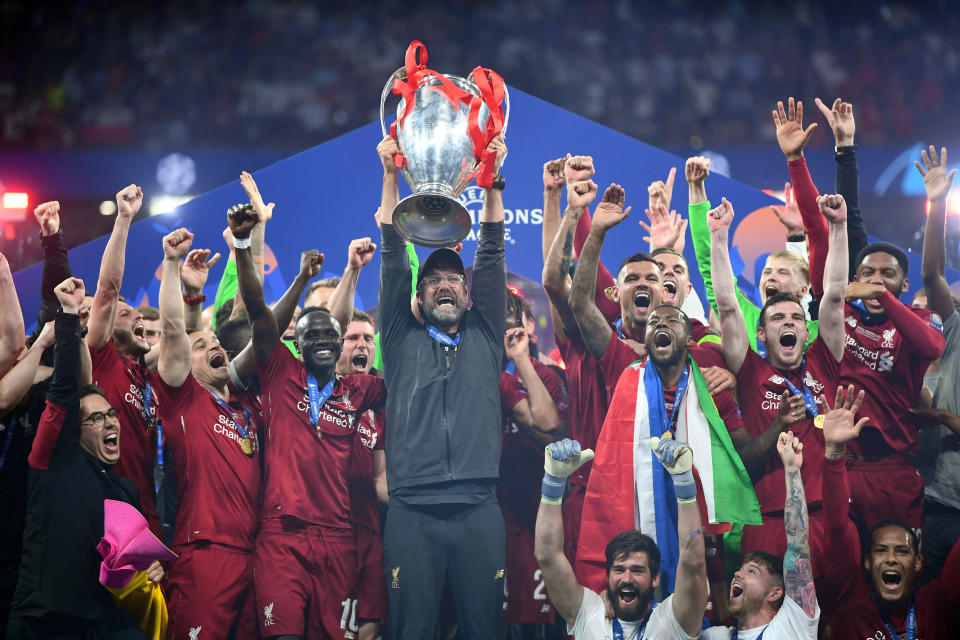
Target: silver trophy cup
[440, 163]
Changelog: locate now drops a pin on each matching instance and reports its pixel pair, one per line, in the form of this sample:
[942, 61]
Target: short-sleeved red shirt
[306, 468]
[123, 382]
[760, 386]
[218, 485]
[521, 462]
[363, 494]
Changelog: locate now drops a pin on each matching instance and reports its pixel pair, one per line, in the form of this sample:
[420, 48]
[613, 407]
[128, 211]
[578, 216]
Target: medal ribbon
[809, 400]
[441, 337]
[618, 325]
[618, 628]
[223, 405]
[318, 397]
[911, 624]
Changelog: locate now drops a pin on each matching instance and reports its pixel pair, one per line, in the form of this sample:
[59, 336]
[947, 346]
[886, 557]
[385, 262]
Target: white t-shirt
[790, 623]
[591, 623]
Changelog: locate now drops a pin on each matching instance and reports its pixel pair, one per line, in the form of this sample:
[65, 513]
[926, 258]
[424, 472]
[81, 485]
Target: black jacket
[59, 572]
[442, 426]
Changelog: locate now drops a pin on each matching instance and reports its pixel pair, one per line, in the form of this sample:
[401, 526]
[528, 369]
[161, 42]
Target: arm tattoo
[594, 329]
[566, 258]
[797, 570]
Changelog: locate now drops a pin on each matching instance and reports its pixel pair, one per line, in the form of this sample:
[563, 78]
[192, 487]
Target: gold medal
[818, 421]
[246, 445]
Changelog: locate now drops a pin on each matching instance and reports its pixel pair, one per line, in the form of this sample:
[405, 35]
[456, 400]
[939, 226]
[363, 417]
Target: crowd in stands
[688, 468]
[291, 74]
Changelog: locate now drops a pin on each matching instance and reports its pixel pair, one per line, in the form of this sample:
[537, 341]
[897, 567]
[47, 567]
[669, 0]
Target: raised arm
[174, 363]
[834, 209]
[15, 384]
[58, 424]
[395, 269]
[841, 121]
[560, 258]
[266, 335]
[690, 593]
[537, 411]
[561, 460]
[553, 182]
[792, 138]
[594, 329]
[264, 213]
[359, 254]
[56, 264]
[104, 310]
[489, 285]
[193, 275]
[937, 182]
[797, 570]
[11, 319]
[733, 334]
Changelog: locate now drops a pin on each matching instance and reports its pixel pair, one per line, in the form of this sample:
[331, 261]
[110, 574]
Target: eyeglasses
[99, 418]
[450, 278]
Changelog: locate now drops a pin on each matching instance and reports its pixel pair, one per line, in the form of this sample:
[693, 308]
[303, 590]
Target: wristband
[194, 299]
[552, 488]
[241, 243]
[685, 487]
[499, 182]
[800, 237]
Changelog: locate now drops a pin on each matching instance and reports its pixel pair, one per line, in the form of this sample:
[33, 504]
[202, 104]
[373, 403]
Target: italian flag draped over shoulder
[627, 483]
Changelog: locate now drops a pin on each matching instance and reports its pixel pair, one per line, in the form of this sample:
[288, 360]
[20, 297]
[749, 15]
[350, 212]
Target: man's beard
[128, 344]
[664, 363]
[443, 319]
[636, 611]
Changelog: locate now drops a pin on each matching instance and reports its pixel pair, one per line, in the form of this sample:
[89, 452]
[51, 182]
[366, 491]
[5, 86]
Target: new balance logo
[850, 320]
[775, 379]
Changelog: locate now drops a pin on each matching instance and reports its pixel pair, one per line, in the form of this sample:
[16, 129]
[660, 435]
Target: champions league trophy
[443, 126]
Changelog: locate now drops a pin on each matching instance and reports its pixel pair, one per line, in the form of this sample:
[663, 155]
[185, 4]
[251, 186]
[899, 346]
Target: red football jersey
[306, 468]
[521, 462]
[889, 366]
[760, 386]
[123, 383]
[363, 494]
[218, 485]
[845, 588]
[587, 398]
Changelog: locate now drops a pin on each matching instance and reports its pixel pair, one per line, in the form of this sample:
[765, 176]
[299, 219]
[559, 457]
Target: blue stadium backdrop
[327, 195]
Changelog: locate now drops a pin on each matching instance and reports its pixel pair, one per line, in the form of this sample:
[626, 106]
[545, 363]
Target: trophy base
[432, 220]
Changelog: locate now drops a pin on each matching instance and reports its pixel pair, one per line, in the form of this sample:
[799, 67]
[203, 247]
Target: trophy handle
[387, 88]
[506, 110]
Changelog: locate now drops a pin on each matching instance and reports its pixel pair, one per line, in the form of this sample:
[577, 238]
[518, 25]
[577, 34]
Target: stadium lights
[15, 200]
[108, 208]
[165, 204]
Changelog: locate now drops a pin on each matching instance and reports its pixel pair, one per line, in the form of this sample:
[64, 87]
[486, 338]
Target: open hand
[48, 215]
[840, 119]
[264, 211]
[791, 135]
[665, 229]
[610, 212]
[936, 180]
[196, 268]
[789, 214]
[839, 427]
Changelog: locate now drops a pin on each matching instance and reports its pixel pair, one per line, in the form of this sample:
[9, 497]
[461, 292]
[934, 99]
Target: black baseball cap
[439, 259]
